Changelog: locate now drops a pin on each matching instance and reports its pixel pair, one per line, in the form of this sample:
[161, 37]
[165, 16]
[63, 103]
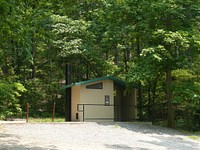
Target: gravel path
[92, 136]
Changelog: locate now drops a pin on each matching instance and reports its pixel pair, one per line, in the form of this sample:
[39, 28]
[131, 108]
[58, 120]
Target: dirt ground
[94, 136]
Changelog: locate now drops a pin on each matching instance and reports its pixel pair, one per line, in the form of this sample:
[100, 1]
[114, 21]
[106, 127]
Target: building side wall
[128, 106]
[117, 100]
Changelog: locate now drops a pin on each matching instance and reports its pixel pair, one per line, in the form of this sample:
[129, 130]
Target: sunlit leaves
[70, 35]
[9, 98]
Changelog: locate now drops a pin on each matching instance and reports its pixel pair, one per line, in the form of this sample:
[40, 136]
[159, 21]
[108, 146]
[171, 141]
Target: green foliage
[9, 98]
[187, 96]
[71, 35]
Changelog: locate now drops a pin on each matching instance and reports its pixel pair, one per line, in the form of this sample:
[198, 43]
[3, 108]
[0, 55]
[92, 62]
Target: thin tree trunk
[116, 56]
[33, 70]
[107, 55]
[92, 69]
[87, 72]
[149, 101]
[33, 63]
[170, 114]
[138, 45]
[140, 100]
[125, 61]
[153, 99]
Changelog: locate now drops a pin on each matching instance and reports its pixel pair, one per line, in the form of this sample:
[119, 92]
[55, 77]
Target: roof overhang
[117, 82]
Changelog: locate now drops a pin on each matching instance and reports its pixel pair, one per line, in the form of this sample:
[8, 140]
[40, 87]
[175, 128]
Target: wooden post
[27, 112]
[53, 113]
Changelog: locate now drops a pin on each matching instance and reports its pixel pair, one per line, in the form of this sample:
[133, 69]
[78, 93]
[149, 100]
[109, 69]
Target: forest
[152, 45]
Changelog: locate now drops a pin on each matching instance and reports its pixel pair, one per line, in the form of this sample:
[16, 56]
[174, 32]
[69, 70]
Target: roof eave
[116, 81]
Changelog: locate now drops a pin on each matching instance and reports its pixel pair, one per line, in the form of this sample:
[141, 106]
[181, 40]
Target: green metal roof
[116, 81]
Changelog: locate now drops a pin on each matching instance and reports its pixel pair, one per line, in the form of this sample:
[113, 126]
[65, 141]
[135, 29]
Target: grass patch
[40, 120]
[191, 135]
[117, 126]
[194, 137]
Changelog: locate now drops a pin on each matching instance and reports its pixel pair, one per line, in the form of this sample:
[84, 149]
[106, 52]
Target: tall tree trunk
[107, 55]
[5, 68]
[153, 99]
[170, 114]
[140, 100]
[138, 45]
[125, 61]
[87, 72]
[33, 68]
[149, 101]
[116, 56]
[126, 53]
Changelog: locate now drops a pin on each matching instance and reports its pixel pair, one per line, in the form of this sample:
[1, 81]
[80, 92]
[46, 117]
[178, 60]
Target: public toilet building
[102, 99]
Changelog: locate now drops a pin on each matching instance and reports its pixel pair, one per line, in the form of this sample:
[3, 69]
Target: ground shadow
[174, 143]
[164, 137]
[10, 141]
[145, 128]
[122, 146]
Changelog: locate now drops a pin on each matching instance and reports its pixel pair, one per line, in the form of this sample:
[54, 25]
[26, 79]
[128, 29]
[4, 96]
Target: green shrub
[9, 98]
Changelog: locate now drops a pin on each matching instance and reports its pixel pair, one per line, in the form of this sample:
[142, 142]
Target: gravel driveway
[92, 136]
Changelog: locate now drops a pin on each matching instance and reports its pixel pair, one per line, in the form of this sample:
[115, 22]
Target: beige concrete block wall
[75, 93]
[98, 113]
[97, 96]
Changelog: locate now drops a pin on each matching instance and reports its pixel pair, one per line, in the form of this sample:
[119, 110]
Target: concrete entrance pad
[15, 121]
